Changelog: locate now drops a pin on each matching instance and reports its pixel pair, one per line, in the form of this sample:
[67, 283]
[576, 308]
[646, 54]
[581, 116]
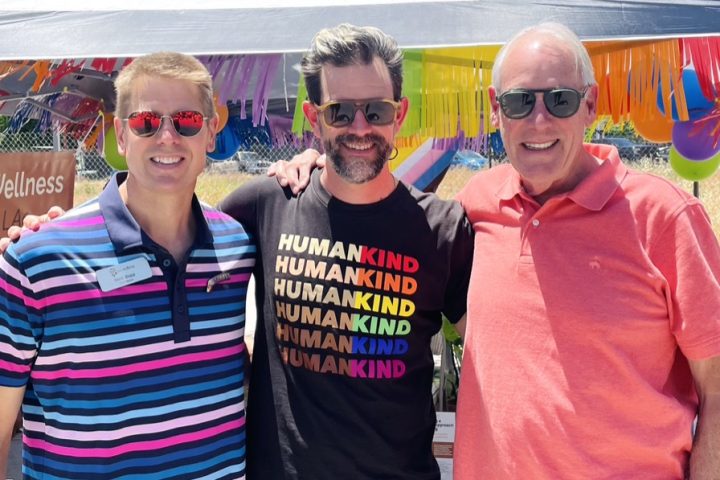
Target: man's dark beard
[357, 170]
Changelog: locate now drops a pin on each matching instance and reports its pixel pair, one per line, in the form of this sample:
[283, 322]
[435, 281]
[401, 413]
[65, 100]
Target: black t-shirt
[348, 298]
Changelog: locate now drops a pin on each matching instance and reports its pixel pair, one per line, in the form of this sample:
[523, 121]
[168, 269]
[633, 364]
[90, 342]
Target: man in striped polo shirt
[121, 324]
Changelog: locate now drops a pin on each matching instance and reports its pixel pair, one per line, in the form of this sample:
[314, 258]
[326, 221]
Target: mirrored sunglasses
[342, 114]
[559, 102]
[187, 123]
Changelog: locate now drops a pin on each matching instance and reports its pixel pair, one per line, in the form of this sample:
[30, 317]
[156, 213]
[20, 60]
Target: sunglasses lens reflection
[146, 124]
[517, 104]
[340, 114]
[562, 102]
[188, 123]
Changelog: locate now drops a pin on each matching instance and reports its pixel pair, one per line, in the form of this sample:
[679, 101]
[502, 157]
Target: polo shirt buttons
[166, 263]
[535, 223]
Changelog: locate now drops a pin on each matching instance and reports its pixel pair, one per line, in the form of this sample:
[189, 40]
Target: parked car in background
[91, 164]
[251, 162]
[469, 159]
[663, 151]
[630, 150]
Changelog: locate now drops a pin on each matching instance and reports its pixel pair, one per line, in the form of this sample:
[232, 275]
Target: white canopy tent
[55, 29]
[73, 41]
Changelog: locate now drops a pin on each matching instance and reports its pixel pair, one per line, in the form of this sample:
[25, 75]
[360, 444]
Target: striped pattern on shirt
[110, 391]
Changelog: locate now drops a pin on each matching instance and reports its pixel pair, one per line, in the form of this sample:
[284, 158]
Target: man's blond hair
[172, 65]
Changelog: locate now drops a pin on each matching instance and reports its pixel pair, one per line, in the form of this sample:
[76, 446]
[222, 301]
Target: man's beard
[357, 170]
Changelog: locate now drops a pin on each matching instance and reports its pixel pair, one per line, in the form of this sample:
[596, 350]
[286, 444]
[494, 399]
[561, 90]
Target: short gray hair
[583, 64]
[346, 45]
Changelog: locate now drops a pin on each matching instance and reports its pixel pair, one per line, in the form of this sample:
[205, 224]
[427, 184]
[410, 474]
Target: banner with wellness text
[32, 182]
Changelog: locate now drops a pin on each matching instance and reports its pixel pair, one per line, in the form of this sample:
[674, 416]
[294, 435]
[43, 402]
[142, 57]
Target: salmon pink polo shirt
[582, 314]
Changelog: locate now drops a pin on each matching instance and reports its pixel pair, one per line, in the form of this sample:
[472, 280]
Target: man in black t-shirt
[353, 277]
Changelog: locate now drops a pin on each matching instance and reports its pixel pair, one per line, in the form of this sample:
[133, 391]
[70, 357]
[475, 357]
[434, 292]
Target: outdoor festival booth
[657, 65]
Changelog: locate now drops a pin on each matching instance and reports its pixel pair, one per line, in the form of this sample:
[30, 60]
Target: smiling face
[358, 153]
[546, 151]
[165, 163]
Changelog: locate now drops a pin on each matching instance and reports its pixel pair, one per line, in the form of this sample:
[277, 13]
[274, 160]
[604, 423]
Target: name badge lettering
[118, 276]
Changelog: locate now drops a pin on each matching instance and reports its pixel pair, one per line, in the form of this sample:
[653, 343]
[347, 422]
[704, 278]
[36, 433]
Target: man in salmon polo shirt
[121, 328]
[593, 333]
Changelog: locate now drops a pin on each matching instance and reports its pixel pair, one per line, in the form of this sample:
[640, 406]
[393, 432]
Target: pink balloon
[694, 140]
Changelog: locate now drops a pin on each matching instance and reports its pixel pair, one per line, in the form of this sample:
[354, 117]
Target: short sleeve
[688, 255]
[242, 205]
[20, 328]
[461, 252]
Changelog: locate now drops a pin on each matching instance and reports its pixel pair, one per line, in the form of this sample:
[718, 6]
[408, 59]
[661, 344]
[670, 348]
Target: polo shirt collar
[511, 186]
[124, 231]
[593, 192]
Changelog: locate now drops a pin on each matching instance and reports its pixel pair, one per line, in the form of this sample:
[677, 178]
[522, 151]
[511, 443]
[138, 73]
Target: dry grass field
[213, 185]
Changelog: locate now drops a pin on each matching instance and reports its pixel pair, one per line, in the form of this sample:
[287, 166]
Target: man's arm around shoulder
[242, 203]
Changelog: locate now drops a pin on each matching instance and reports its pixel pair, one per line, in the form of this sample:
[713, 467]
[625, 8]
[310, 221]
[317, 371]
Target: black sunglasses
[187, 123]
[342, 114]
[560, 102]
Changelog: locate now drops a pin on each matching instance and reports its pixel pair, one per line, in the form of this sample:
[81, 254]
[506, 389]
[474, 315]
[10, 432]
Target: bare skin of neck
[588, 165]
[171, 227]
[372, 191]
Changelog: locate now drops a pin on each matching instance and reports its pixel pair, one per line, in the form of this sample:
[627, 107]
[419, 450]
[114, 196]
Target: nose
[360, 125]
[167, 132]
[540, 112]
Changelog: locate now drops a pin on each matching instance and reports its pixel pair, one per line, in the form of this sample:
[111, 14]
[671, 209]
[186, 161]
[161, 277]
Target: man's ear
[311, 114]
[212, 132]
[121, 135]
[495, 107]
[591, 97]
[402, 113]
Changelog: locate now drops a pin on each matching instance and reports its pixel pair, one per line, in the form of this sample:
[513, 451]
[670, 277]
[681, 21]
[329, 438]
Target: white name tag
[127, 273]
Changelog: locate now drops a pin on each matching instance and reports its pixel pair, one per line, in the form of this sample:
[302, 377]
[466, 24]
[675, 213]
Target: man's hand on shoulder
[30, 222]
[296, 173]
[33, 222]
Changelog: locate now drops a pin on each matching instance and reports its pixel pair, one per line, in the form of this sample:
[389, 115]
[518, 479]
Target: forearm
[4, 452]
[10, 400]
[705, 455]
[7, 427]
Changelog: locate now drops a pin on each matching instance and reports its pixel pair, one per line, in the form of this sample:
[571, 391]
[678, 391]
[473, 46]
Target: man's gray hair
[346, 45]
[568, 38]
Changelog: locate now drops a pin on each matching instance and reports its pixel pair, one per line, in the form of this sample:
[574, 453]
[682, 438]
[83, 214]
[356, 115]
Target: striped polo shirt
[136, 375]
